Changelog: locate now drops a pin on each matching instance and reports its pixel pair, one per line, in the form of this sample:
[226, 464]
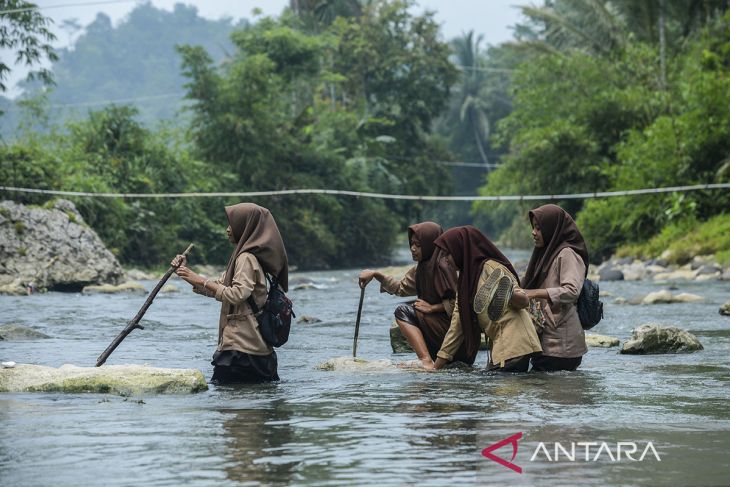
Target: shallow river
[386, 427]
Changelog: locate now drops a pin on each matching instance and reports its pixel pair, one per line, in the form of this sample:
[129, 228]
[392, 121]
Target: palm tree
[469, 106]
[324, 12]
[588, 25]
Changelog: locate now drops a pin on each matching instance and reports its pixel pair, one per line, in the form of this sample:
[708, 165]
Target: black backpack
[275, 319]
[590, 307]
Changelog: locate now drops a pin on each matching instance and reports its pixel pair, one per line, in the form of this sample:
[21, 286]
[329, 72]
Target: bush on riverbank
[683, 240]
[584, 122]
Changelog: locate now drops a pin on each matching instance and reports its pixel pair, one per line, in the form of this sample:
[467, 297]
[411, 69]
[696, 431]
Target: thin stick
[357, 322]
[135, 321]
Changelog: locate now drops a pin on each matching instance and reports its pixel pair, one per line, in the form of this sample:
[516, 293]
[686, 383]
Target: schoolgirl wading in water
[424, 323]
[242, 355]
[512, 335]
[554, 277]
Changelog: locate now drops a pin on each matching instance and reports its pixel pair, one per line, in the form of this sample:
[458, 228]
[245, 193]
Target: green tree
[24, 31]
[347, 108]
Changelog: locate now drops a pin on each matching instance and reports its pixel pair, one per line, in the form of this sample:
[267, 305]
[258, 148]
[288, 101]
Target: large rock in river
[116, 379]
[601, 341]
[725, 309]
[652, 338]
[13, 332]
[52, 248]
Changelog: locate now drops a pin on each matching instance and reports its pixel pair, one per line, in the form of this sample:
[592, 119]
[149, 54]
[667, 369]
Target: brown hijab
[435, 279]
[256, 232]
[470, 249]
[559, 231]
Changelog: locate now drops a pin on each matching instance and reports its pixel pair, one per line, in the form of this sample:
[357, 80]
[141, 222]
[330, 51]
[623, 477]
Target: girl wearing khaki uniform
[425, 322]
[554, 277]
[513, 339]
[242, 355]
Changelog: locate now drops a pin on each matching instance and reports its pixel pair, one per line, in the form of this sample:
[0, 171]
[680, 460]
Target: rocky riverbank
[701, 268]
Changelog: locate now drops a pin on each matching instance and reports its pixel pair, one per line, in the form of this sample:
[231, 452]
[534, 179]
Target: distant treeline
[367, 96]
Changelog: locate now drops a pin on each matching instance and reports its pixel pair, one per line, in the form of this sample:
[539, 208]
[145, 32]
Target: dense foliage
[586, 118]
[366, 96]
[347, 106]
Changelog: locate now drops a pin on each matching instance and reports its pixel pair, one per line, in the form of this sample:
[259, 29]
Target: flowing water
[386, 426]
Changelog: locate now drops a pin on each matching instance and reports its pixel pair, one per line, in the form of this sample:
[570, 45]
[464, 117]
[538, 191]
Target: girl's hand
[520, 299]
[423, 306]
[189, 276]
[365, 277]
[179, 261]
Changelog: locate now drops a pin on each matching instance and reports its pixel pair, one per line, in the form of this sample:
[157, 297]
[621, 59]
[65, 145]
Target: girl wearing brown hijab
[242, 354]
[425, 322]
[513, 339]
[554, 277]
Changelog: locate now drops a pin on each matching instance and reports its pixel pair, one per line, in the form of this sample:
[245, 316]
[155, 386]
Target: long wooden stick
[135, 321]
[357, 322]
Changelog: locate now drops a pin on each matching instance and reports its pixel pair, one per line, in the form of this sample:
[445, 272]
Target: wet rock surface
[13, 332]
[652, 338]
[601, 341]
[51, 248]
[126, 287]
[113, 379]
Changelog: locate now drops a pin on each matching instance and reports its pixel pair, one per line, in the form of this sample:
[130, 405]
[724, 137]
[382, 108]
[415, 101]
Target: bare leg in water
[416, 341]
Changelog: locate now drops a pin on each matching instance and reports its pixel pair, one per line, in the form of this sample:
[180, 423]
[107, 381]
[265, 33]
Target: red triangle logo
[487, 452]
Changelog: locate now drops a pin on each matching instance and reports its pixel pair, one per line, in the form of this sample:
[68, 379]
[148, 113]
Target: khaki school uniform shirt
[511, 336]
[563, 335]
[406, 286]
[237, 327]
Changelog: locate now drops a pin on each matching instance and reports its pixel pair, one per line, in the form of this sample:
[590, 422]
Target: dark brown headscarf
[559, 231]
[256, 232]
[435, 279]
[470, 249]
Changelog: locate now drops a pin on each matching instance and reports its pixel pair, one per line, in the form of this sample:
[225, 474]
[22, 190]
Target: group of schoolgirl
[464, 285]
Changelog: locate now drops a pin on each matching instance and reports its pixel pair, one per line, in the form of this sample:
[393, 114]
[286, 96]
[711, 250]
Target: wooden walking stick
[135, 321]
[357, 322]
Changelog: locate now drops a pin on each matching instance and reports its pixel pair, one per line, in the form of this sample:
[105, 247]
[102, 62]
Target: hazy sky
[492, 18]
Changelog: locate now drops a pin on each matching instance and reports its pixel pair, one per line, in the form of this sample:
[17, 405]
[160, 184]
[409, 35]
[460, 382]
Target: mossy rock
[601, 341]
[12, 332]
[355, 364]
[652, 338]
[124, 380]
[126, 287]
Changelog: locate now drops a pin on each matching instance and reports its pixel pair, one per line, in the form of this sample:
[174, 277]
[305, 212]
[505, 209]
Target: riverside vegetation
[367, 96]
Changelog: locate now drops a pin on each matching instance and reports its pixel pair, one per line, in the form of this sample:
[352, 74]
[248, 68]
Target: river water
[385, 427]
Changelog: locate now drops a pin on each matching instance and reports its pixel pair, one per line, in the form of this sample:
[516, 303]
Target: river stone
[709, 269]
[725, 309]
[665, 297]
[652, 338]
[677, 275]
[52, 248]
[13, 289]
[351, 364]
[140, 275]
[127, 287]
[658, 297]
[308, 319]
[12, 332]
[399, 344]
[687, 298]
[115, 379]
[610, 274]
[601, 341]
